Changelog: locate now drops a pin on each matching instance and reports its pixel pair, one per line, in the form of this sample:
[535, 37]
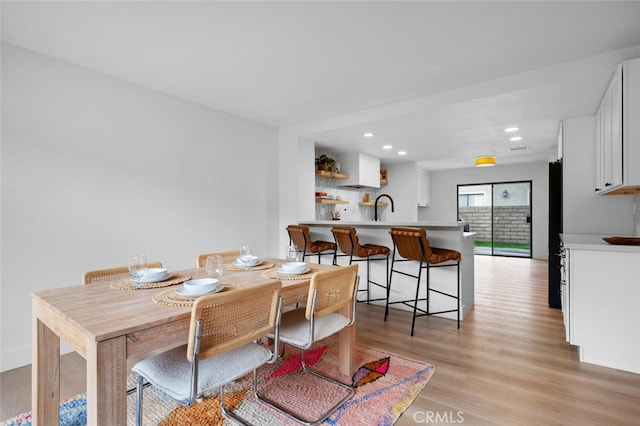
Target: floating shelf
[331, 175]
[371, 204]
[325, 201]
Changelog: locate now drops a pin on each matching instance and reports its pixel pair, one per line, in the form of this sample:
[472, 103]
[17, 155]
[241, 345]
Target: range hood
[363, 170]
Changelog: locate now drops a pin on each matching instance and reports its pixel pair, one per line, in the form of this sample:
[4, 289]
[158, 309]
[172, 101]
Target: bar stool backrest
[300, 236]
[412, 243]
[346, 239]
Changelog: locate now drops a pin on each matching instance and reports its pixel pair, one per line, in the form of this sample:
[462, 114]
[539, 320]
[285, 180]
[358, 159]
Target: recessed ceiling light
[387, 146]
[402, 152]
[511, 129]
[368, 135]
[516, 138]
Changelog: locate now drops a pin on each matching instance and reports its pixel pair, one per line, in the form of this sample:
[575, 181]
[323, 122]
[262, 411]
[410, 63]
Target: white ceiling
[440, 80]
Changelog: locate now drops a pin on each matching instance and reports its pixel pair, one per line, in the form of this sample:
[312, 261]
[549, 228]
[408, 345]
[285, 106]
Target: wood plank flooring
[507, 365]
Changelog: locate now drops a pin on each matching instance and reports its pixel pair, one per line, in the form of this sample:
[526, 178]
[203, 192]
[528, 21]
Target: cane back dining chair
[329, 292]
[300, 236]
[412, 244]
[112, 274]
[201, 260]
[349, 244]
[221, 348]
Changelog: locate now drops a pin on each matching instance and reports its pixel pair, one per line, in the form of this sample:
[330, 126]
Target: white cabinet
[608, 136]
[617, 133]
[600, 294]
[424, 188]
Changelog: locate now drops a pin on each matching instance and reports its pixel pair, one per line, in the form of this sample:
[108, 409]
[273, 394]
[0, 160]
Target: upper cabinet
[424, 187]
[617, 133]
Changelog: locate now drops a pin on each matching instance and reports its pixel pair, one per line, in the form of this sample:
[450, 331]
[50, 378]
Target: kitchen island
[448, 235]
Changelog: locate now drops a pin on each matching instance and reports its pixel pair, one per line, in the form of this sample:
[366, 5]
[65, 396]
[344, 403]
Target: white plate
[182, 292]
[241, 265]
[154, 279]
[283, 272]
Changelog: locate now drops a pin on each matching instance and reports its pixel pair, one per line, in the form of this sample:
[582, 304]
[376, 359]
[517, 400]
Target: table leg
[45, 375]
[107, 382]
[347, 350]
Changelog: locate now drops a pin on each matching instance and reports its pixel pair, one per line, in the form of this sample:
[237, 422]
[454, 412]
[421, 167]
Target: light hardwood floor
[508, 364]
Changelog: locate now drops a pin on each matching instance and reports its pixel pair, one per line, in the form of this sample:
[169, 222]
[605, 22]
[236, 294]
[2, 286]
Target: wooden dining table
[110, 326]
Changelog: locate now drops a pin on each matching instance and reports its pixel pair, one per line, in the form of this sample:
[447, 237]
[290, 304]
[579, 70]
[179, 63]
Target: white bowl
[200, 286]
[254, 260]
[152, 274]
[294, 266]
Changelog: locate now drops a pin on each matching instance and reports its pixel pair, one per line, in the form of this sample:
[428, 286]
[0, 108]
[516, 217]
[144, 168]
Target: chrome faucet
[375, 206]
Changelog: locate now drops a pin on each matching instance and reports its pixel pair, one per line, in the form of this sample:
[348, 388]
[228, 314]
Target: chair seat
[171, 371]
[440, 255]
[294, 328]
[366, 250]
[318, 246]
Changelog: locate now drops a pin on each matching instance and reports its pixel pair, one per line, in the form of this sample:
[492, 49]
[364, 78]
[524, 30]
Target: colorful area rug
[386, 384]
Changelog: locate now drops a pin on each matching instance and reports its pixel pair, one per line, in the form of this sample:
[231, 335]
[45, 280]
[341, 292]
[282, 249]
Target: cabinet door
[608, 118]
[424, 188]
[606, 140]
[598, 175]
[615, 93]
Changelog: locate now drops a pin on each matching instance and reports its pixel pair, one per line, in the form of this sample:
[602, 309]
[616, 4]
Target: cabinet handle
[597, 189]
[608, 184]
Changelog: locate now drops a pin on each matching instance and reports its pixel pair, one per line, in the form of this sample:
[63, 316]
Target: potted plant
[324, 162]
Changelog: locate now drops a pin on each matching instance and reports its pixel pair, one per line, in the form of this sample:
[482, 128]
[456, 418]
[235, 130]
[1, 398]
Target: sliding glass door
[500, 215]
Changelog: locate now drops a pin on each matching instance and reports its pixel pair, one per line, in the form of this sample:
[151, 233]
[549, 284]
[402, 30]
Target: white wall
[444, 195]
[585, 212]
[95, 169]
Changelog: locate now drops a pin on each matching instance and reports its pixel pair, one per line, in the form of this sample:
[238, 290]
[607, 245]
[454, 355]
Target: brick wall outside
[510, 225]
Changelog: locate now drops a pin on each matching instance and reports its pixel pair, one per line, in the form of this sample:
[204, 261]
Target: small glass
[214, 266]
[293, 254]
[137, 267]
[245, 257]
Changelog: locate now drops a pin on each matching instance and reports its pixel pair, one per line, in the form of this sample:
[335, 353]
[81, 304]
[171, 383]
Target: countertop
[386, 224]
[594, 242]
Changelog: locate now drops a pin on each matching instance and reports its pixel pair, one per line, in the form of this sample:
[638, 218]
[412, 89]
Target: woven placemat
[169, 297]
[275, 275]
[263, 265]
[127, 284]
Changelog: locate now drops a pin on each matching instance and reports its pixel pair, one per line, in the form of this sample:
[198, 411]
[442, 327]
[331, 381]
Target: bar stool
[347, 242]
[412, 244]
[301, 237]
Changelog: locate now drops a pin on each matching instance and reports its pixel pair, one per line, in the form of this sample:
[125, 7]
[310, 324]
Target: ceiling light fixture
[516, 138]
[485, 161]
[368, 135]
[511, 129]
[387, 146]
[402, 152]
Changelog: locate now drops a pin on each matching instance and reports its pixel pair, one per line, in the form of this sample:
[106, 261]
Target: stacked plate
[199, 287]
[154, 275]
[251, 261]
[293, 268]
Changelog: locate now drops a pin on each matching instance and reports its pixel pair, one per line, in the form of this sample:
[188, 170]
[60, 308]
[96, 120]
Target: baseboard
[21, 356]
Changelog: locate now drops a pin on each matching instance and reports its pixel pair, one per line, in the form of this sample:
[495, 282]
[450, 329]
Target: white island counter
[600, 300]
[448, 235]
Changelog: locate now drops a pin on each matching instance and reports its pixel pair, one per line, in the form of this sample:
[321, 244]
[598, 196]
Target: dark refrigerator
[555, 229]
